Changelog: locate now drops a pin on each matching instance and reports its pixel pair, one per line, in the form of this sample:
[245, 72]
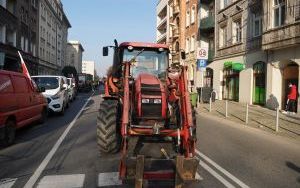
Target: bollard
[247, 113]
[277, 120]
[210, 104]
[226, 108]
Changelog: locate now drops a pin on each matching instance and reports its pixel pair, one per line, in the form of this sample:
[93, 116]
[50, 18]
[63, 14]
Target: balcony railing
[207, 23]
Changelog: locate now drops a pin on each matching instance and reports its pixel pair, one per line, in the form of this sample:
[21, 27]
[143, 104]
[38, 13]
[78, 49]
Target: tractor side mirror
[105, 51]
[183, 55]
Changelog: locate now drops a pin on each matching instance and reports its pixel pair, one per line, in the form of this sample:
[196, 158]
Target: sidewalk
[259, 117]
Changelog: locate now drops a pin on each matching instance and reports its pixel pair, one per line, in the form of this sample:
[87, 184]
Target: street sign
[202, 53]
[201, 63]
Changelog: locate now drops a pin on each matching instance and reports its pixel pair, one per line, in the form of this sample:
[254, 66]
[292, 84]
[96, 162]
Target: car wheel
[10, 133]
[62, 112]
[44, 115]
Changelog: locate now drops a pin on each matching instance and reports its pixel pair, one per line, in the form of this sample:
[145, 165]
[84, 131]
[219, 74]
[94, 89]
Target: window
[224, 3]
[2, 33]
[22, 43]
[193, 14]
[187, 45]
[237, 31]
[257, 24]
[297, 10]
[223, 36]
[192, 44]
[279, 12]
[187, 19]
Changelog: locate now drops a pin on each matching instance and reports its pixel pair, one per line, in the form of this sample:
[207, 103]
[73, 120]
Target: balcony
[176, 10]
[175, 33]
[281, 37]
[207, 23]
[162, 23]
[162, 38]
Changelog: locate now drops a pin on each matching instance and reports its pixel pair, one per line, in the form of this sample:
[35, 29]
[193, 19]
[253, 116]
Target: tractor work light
[157, 101]
[145, 101]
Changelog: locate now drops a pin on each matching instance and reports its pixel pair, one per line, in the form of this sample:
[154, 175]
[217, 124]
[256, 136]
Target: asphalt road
[63, 153]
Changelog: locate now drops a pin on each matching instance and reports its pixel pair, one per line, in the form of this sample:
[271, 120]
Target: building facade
[19, 31]
[257, 51]
[74, 55]
[88, 67]
[53, 32]
[191, 38]
[206, 42]
[281, 42]
[239, 65]
[162, 22]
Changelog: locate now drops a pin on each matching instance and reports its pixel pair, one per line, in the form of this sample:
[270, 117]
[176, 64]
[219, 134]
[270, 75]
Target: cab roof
[144, 44]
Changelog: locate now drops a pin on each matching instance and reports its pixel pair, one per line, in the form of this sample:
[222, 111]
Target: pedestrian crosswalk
[69, 181]
[107, 179]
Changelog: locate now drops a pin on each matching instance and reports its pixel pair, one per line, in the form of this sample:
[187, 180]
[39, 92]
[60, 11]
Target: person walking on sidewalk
[291, 101]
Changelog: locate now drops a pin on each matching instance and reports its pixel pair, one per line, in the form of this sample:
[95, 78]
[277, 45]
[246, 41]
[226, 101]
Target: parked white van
[56, 91]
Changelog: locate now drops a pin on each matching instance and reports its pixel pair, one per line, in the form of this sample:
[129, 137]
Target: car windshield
[47, 82]
[148, 61]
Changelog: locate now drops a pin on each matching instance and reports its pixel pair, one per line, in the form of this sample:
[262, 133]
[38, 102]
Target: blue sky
[96, 23]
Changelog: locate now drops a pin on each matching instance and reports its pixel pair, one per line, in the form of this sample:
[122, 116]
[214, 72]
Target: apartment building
[257, 46]
[191, 38]
[239, 65]
[19, 31]
[53, 32]
[281, 42]
[88, 67]
[74, 55]
[177, 28]
[207, 42]
[162, 22]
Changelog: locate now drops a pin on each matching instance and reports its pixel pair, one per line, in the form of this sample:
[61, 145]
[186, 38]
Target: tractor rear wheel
[108, 129]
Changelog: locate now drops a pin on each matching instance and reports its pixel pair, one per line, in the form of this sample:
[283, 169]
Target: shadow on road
[294, 167]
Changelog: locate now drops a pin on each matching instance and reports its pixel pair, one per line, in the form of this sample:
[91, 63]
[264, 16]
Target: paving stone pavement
[259, 117]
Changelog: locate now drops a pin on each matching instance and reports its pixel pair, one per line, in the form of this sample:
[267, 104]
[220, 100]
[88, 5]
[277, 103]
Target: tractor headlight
[157, 101]
[145, 101]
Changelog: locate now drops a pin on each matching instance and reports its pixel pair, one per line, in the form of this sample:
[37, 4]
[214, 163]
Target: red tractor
[147, 115]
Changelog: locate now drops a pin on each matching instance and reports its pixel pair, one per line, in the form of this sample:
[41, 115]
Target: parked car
[71, 89]
[56, 92]
[21, 103]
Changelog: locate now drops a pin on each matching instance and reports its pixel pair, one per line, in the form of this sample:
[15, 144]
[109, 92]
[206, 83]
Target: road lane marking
[225, 172]
[7, 183]
[198, 177]
[33, 179]
[109, 179]
[62, 181]
[216, 175]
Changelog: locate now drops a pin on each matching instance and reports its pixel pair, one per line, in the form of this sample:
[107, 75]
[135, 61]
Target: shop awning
[234, 65]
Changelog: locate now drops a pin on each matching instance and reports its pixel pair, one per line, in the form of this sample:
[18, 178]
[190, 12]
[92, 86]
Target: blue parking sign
[201, 63]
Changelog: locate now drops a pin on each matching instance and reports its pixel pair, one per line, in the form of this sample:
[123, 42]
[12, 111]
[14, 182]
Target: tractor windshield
[149, 61]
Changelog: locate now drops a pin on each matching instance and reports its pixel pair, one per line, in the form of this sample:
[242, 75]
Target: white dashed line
[33, 179]
[62, 181]
[225, 172]
[109, 179]
[7, 183]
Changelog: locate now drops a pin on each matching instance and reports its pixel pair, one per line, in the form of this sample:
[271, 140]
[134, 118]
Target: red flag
[25, 70]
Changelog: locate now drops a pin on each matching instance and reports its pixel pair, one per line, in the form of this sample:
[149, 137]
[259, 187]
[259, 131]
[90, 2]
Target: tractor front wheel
[108, 129]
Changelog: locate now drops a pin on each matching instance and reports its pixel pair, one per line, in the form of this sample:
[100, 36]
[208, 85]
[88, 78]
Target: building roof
[75, 42]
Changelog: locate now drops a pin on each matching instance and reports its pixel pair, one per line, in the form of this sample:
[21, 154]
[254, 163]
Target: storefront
[259, 83]
[231, 80]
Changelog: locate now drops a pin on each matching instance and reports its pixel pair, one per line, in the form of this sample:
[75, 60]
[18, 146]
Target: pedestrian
[291, 101]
